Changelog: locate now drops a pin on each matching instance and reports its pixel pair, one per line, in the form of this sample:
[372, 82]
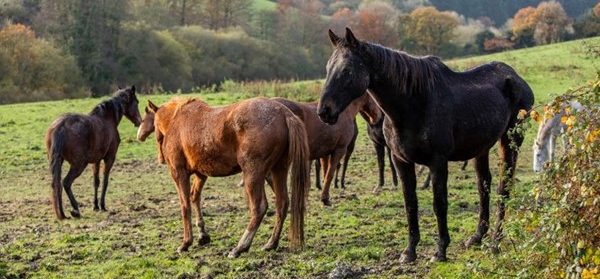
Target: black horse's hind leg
[509, 162]
[380, 151]
[96, 170]
[108, 163]
[484, 180]
[74, 172]
[464, 165]
[411, 205]
[439, 178]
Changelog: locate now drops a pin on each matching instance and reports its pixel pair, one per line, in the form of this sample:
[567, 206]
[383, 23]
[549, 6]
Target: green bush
[33, 69]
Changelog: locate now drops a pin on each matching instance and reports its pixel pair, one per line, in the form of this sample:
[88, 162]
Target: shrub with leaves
[566, 220]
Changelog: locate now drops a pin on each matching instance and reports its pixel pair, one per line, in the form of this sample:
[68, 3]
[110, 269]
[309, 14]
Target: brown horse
[330, 143]
[256, 136]
[88, 139]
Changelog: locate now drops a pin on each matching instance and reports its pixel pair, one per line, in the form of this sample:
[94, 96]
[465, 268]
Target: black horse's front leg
[409, 186]
[439, 178]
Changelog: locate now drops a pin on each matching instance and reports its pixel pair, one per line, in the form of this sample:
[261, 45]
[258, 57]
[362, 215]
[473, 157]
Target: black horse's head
[130, 103]
[347, 77]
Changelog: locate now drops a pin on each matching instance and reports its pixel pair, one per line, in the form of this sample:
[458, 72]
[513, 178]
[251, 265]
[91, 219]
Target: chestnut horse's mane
[179, 102]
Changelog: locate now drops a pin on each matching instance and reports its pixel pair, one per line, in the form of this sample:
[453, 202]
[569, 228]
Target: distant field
[139, 235]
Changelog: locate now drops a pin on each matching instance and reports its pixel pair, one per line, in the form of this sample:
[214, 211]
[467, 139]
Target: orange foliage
[375, 22]
[525, 19]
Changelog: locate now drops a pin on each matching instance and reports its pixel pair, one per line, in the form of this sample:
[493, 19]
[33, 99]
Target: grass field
[361, 233]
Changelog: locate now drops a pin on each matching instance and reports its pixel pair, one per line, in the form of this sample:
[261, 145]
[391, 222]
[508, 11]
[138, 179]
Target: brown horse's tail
[55, 142]
[299, 155]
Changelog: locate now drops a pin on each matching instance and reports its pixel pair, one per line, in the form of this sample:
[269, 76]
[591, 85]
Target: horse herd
[417, 108]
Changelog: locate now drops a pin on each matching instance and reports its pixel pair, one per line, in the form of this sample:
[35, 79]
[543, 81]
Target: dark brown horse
[329, 143]
[256, 136]
[433, 115]
[88, 139]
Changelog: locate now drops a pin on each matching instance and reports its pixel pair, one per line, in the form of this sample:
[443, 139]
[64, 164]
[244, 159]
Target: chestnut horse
[88, 139]
[432, 115]
[256, 136]
[330, 143]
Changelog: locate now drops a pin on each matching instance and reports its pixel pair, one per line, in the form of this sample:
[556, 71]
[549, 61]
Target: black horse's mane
[410, 74]
[114, 105]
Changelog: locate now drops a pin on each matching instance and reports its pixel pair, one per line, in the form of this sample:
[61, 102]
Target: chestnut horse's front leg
[199, 181]
[409, 189]
[182, 179]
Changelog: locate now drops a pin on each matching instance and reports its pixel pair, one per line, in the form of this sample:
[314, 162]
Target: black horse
[433, 115]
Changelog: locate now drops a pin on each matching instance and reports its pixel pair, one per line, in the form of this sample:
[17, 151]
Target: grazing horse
[257, 137]
[88, 139]
[550, 127]
[432, 115]
[329, 143]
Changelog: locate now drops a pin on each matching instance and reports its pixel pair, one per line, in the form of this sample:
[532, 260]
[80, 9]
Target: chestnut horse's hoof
[75, 214]
[203, 240]
[62, 217]
[326, 201]
[269, 246]
[182, 248]
[377, 190]
[234, 253]
[408, 257]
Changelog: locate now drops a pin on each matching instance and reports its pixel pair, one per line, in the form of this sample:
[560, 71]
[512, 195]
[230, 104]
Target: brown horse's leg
[257, 201]
[74, 172]
[394, 175]
[96, 170]
[108, 163]
[199, 181]
[439, 178]
[347, 156]
[279, 186]
[318, 173]
[182, 179]
[427, 181]
[380, 151]
[507, 172]
[464, 165]
[484, 180]
[334, 159]
[411, 205]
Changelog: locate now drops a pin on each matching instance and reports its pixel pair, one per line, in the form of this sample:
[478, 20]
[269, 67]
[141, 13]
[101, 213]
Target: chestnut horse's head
[370, 111]
[347, 77]
[147, 126]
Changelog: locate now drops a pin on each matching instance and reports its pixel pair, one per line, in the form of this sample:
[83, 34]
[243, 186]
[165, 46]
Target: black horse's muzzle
[327, 115]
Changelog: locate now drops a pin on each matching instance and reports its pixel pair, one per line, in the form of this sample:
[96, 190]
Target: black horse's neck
[111, 109]
[398, 78]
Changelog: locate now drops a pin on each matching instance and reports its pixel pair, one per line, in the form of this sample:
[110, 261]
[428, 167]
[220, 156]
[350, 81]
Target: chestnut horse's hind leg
[108, 163]
[74, 172]
[347, 156]
[439, 178]
[257, 201]
[507, 172]
[409, 185]
[279, 186]
[484, 180]
[394, 175]
[199, 181]
[380, 151]
[182, 179]
[96, 171]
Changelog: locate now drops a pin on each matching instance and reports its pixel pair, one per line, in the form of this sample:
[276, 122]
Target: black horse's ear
[350, 39]
[334, 38]
[132, 89]
[152, 106]
[119, 87]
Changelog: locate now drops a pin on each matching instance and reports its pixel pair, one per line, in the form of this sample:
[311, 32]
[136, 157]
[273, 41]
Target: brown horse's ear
[351, 39]
[152, 106]
[334, 38]
[132, 89]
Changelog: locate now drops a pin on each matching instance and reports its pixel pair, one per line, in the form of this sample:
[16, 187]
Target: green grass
[264, 5]
[138, 236]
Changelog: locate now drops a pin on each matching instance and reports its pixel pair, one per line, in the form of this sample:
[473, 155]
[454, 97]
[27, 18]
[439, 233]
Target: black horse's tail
[55, 146]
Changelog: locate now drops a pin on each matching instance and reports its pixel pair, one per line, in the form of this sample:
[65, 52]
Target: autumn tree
[375, 21]
[589, 25]
[523, 26]
[429, 29]
[218, 14]
[552, 23]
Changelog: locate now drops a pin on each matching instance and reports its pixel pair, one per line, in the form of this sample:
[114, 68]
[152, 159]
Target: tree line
[52, 49]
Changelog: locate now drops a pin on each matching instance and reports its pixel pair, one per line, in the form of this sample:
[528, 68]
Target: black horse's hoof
[234, 253]
[269, 246]
[203, 240]
[326, 201]
[408, 257]
[75, 214]
[103, 208]
[377, 190]
[96, 208]
[183, 248]
[473, 241]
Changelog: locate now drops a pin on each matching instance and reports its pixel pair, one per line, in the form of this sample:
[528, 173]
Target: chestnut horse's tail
[54, 143]
[299, 155]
